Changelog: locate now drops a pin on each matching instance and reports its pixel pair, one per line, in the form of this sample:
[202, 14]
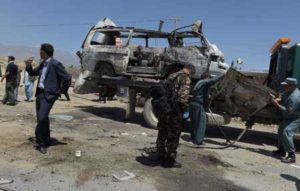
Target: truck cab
[284, 62]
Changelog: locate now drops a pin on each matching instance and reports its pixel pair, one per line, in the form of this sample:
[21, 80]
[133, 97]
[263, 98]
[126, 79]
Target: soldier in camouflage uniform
[170, 125]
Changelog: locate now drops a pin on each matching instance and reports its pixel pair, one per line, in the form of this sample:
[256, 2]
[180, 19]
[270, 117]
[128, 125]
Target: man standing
[289, 105]
[28, 82]
[11, 81]
[51, 74]
[198, 105]
[16, 92]
[170, 124]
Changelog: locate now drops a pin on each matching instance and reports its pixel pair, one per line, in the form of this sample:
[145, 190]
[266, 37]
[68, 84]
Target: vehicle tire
[148, 114]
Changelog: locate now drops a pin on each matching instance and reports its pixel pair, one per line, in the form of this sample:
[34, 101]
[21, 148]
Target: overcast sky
[240, 28]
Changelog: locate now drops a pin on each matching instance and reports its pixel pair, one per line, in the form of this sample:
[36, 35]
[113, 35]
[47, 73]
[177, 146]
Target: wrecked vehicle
[126, 51]
[142, 55]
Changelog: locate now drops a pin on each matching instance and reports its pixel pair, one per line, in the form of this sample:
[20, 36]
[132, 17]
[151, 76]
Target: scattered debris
[92, 139]
[78, 153]
[5, 181]
[114, 143]
[128, 176]
[67, 139]
[145, 134]
[124, 134]
[296, 166]
[5, 189]
[114, 136]
[62, 117]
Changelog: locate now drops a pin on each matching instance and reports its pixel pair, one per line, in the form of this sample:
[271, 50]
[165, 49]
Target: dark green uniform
[197, 108]
[11, 83]
[170, 125]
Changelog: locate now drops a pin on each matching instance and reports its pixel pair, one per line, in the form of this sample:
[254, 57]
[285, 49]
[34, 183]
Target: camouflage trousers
[169, 130]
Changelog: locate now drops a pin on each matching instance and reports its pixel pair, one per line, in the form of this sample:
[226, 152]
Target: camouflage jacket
[182, 84]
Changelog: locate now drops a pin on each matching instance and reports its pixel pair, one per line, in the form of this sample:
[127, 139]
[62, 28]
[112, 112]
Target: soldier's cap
[191, 67]
[289, 81]
[30, 59]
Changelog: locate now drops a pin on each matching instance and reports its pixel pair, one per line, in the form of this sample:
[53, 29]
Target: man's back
[292, 103]
[182, 83]
[12, 68]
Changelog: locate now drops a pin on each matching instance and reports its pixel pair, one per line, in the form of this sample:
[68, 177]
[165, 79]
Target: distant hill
[23, 52]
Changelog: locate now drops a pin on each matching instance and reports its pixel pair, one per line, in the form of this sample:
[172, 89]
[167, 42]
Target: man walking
[289, 105]
[28, 82]
[51, 74]
[170, 124]
[198, 105]
[11, 81]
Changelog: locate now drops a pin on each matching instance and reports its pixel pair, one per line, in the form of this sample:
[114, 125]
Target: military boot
[170, 162]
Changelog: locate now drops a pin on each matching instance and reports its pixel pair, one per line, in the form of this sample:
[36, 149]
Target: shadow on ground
[293, 179]
[114, 113]
[54, 141]
[250, 137]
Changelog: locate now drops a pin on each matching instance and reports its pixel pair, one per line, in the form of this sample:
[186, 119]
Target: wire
[48, 25]
[83, 24]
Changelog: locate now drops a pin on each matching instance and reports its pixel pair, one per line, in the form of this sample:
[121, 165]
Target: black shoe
[177, 164]
[291, 158]
[42, 149]
[278, 153]
[154, 158]
[201, 143]
[171, 164]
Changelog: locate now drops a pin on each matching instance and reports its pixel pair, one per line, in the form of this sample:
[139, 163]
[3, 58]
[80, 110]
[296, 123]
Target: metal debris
[128, 177]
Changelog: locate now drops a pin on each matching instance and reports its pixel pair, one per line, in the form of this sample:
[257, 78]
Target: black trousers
[43, 107]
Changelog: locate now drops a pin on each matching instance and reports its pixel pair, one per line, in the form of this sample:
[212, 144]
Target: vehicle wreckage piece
[241, 95]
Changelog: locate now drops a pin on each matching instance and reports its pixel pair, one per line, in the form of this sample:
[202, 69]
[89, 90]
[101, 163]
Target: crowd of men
[53, 80]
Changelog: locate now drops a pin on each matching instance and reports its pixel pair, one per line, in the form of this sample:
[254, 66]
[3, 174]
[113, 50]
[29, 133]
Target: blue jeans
[29, 91]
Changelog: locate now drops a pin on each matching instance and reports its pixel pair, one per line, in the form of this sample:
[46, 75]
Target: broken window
[101, 38]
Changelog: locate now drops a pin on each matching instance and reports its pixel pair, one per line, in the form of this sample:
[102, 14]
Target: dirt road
[110, 145]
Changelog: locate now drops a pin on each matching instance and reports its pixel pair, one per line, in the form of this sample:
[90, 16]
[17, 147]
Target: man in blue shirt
[198, 105]
[289, 105]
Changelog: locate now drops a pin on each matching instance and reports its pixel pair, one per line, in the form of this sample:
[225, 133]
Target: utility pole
[176, 21]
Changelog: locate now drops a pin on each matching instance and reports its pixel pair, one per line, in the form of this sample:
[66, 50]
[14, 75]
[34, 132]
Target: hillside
[23, 52]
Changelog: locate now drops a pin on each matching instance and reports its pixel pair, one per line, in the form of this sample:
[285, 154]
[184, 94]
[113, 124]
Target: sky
[244, 29]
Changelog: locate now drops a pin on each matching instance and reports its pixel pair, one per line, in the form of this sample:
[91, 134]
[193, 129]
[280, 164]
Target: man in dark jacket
[11, 81]
[170, 124]
[51, 75]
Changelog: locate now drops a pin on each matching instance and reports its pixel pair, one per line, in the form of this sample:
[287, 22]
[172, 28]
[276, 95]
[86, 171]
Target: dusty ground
[110, 145]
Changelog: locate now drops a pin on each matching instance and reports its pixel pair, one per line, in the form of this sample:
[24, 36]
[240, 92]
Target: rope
[229, 143]
[225, 136]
